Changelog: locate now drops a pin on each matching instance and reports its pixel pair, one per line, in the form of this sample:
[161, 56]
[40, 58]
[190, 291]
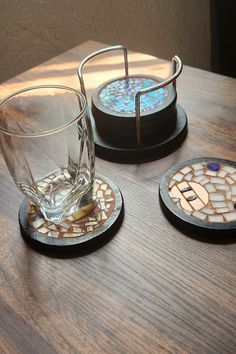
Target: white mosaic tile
[233, 177]
[90, 223]
[198, 172]
[217, 197]
[95, 188]
[229, 169]
[233, 189]
[54, 234]
[230, 216]
[92, 219]
[77, 229]
[104, 217]
[229, 180]
[230, 205]
[99, 194]
[204, 181]
[37, 223]
[222, 187]
[66, 174]
[41, 184]
[221, 174]
[217, 180]
[219, 204]
[211, 173]
[188, 177]
[197, 166]
[228, 195]
[77, 234]
[215, 218]
[178, 177]
[102, 205]
[210, 188]
[187, 212]
[199, 215]
[198, 178]
[47, 180]
[185, 170]
[172, 183]
[65, 225]
[52, 227]
[222, 210]
[43, 230]
[208, 211]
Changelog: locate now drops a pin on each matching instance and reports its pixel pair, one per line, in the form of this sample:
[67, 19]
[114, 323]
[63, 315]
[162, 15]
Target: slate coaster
[83, 229]
[200, 195]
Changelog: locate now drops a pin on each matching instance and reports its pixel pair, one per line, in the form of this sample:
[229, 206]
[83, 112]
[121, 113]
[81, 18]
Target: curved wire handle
[175, 73]
[94, 54]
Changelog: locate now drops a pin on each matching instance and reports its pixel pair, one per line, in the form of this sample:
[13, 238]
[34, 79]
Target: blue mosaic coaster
[119, 95]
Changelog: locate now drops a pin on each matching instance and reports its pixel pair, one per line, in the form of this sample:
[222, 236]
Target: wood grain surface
[151, 289]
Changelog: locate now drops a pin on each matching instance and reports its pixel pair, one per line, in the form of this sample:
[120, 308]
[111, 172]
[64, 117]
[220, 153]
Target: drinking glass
[47, 143]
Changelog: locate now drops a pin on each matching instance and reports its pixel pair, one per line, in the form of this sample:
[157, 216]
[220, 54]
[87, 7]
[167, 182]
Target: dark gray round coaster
[113, 109]
[199, 196]
[83, 230]
[132, 153]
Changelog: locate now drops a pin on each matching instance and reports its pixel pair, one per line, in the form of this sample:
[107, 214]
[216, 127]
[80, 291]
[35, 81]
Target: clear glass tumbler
[47, 143]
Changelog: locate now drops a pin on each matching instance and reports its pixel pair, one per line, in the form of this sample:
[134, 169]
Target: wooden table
[151, 289]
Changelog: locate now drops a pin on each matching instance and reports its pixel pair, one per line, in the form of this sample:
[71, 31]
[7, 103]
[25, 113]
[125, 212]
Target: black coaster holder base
[144, 152]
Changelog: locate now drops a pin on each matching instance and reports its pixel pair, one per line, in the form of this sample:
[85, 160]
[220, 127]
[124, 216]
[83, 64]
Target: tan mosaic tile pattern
[206, 194]
[83, 221]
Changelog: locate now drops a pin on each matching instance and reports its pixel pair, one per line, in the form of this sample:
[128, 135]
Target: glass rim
[51, 131]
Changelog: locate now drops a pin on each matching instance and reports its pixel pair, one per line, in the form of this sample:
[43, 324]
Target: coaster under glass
[85, 227]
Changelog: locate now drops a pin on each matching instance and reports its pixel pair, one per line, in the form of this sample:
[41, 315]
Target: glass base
[86, 200]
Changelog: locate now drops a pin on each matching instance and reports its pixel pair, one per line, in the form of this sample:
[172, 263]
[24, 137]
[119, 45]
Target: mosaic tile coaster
[95, 221]
[201, 194]
[119, 137]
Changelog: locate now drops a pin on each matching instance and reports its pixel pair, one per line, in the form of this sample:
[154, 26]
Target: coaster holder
[169, 117]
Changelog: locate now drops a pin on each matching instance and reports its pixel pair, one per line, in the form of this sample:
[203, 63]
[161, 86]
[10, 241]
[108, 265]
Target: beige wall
[32, 31]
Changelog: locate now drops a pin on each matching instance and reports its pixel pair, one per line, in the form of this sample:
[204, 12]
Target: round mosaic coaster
[200, 195]
[119, 136]
[84, 228]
